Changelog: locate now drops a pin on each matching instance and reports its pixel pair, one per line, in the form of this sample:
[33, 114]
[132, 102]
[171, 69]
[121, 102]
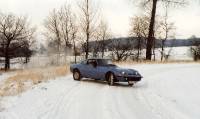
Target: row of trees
[152, 22]
[164, 29]
[195, 48]
[65, 26]
[148, 27]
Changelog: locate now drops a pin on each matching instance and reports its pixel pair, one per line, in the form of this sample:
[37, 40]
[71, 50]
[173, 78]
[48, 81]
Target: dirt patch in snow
[22, 80]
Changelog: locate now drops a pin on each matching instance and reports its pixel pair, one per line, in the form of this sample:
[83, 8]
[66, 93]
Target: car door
[93, 69]
[83, 68]
[100, 72]
[88, 70]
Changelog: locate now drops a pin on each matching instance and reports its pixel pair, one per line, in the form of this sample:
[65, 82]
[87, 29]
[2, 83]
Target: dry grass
[24, 79]
[21, 80]
[11, 70]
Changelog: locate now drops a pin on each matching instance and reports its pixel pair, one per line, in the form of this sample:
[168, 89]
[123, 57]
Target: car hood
[128, 71]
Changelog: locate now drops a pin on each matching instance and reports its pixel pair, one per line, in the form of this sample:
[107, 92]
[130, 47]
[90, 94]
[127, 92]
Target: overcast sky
[117, 12]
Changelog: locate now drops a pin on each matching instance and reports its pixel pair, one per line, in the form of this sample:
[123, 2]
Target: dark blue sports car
[104, 69]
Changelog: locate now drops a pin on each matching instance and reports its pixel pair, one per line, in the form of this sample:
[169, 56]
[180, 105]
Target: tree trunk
[162, 51]
[196, 53]
[154, 47]
[74, 51]
[7, 63]
[139, 49]
[74, 47]
[103, 48]
[102, 54]
[151, 32]
[87, 47]
[26, 59]
[7, 58]
[75, 58]
[87, 29]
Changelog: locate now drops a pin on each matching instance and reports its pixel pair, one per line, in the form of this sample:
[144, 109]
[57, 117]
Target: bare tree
[95, 46]
[53, 33]
[65, 15]
[121, 50]
[52, 24]
[151, 38]
[70, 29]
[74, 30]
[58, 25]
[16, 34]
[167, 29]
[62, 29]
[28, 50]
[104, 34]
[87, 22]
[139, 29]
[100, 35]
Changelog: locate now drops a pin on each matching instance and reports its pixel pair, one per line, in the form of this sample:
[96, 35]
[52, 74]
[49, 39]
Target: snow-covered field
[167, 91]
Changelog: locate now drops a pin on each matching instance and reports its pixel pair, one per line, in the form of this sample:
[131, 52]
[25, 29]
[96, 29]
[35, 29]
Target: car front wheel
[111, 78]
[76, 75]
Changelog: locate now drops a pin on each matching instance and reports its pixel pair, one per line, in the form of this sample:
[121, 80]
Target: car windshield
[104, 62]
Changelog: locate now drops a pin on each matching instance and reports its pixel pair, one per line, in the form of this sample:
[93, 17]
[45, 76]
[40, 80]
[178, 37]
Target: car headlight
[123, 73]
[136, 73]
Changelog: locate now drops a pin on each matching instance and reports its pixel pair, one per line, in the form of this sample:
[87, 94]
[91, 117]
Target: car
[105, 70]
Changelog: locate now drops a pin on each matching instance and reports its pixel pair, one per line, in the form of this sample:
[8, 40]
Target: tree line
[75, 29]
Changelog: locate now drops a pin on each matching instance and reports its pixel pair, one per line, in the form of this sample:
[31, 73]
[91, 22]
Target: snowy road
[169, 91]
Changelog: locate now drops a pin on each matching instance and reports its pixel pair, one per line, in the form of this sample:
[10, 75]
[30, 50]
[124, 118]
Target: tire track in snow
[66, 102]
[55, 108]
[87, 102]
[109, 112]
[160, 106]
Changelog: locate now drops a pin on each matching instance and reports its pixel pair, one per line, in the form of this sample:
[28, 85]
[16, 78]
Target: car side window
[92, 62]
[84, 62]
[88, 61]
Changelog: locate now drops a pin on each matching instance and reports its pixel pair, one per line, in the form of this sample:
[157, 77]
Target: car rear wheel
[111, 78]
[77, 75]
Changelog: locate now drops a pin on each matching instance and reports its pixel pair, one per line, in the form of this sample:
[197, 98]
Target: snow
[167, 91]
[4, 76]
